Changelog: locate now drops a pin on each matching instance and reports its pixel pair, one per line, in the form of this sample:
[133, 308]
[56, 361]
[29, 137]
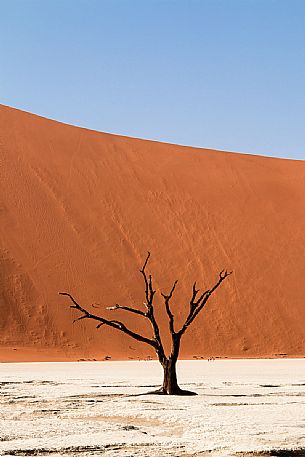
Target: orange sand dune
[79, 209]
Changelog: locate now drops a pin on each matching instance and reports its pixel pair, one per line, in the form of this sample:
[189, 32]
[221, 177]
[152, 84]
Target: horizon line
[252, 154]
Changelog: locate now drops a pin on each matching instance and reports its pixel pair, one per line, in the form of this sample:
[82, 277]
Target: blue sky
[224, 74]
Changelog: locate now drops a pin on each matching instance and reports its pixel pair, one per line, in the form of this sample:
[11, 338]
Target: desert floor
[93, 408]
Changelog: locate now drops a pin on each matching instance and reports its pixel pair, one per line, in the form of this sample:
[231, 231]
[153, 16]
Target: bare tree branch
[142, 271]
[149, 295]
[80, 318]
[197, 306]
[111, 323]
[195, 292]
[146, 261]
[100, 325]
[127, 308]
[167, 299]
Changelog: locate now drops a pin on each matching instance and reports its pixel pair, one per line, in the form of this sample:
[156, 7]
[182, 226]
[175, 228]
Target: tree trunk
[170, 384]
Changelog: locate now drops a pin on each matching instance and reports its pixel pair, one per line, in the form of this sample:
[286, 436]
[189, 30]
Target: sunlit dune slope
[79, 209]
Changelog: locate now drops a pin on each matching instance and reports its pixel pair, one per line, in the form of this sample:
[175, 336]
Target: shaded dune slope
[79, 209]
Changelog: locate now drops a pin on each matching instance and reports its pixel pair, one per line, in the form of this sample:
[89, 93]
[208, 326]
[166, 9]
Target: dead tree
[168, 362]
